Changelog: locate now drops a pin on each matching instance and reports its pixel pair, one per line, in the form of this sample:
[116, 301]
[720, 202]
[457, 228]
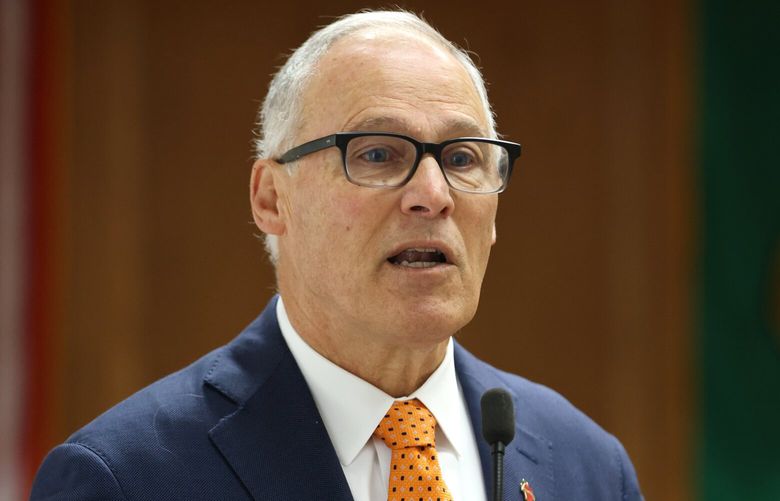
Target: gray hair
[279, 118]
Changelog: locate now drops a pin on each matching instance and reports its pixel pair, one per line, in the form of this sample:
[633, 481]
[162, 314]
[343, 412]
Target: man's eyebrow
[455, 127]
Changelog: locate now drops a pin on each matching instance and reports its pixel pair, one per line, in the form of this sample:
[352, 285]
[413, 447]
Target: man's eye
[376, 155]
[460, 159]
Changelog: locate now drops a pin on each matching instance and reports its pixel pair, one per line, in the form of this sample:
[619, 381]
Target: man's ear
[263, 197]
[492, 242]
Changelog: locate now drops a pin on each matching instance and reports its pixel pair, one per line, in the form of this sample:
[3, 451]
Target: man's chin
[434, 318]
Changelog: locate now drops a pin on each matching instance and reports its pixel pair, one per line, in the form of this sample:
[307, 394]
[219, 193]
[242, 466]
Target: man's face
[342, 244]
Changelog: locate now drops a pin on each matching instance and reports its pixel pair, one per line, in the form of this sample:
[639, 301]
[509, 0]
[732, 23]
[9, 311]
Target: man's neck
[396, 369]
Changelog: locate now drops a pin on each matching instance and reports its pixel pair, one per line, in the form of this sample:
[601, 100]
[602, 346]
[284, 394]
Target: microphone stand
[497, 451]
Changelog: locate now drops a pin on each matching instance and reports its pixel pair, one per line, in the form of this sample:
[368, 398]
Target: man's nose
[427, 193]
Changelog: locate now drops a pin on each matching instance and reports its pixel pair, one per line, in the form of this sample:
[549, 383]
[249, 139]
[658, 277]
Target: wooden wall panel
[104, 300]
[588, 286]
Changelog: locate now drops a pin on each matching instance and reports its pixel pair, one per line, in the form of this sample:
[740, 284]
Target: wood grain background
[588, 290]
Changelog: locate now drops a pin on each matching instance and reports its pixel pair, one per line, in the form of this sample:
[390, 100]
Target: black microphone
[498, 428]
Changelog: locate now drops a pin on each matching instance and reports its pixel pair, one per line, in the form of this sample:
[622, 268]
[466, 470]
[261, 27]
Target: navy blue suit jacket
[240, 423]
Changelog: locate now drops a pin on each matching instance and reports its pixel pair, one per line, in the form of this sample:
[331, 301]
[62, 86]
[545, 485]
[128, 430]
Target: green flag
[739, 446]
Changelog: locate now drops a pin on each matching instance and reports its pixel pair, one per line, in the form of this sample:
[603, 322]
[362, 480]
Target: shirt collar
[351, 426]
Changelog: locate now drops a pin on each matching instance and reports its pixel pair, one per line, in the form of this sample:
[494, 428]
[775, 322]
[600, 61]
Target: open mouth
[419, 258]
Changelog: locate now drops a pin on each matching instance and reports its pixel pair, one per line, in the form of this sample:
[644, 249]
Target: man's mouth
[419, 257]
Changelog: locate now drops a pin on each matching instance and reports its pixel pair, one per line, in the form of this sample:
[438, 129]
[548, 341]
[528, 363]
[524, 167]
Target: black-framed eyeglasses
[387, 160]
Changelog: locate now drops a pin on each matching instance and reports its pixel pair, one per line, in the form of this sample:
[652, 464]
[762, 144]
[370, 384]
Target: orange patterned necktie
[409, 429]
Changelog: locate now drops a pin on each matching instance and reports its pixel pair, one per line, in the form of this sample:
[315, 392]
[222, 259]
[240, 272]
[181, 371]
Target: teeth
[419, 257]
[419, 264]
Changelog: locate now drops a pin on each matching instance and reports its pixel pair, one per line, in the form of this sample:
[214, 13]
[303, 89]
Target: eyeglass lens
[471, 166]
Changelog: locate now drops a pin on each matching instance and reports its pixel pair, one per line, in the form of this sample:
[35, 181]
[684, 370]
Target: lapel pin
[526, 491]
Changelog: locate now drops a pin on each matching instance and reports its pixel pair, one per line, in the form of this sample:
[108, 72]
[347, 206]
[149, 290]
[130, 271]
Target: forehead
[380, 80]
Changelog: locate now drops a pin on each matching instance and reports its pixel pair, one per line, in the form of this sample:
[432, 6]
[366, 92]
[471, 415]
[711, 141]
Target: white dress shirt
[351, 408]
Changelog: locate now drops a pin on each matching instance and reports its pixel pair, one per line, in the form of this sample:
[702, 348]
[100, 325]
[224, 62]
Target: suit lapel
[275, 442]
[527, 457]
[277, 445]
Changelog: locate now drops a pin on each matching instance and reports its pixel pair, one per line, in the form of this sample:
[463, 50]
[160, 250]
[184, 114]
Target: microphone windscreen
[498, 416]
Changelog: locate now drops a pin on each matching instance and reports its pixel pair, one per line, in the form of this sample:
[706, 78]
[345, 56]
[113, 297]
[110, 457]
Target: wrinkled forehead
[374, 72]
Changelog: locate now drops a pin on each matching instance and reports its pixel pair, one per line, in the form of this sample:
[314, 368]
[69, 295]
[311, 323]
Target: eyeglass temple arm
[307, 148]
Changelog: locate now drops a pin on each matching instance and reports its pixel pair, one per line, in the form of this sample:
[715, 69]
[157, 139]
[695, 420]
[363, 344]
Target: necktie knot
[409, 429]
[407, 424]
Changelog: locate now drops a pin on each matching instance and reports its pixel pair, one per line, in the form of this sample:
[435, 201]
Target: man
[380, 219]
